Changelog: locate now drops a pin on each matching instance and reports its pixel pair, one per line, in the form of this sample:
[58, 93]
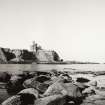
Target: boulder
[100, 81]
[89, 91]
[82, 80]
[4, 77]
[82, 86]
[27, 99]
[66, 78]
[42, 87]
[14, 85]
[42, 78]
[32, 83]
[23, 98]
[30, 91]
[51, 100]
[72, 90]
[94, 100]
[68, 89]
[55, 88]
[14, 100]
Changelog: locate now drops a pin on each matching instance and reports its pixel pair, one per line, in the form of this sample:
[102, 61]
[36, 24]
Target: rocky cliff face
[47, 56]
[3, 58]
[18, 55]
[22, 56]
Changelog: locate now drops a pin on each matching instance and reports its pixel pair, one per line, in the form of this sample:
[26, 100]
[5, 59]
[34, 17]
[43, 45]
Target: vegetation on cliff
[37, 54]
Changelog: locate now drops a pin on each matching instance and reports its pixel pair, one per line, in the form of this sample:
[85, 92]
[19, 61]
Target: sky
[75, 29]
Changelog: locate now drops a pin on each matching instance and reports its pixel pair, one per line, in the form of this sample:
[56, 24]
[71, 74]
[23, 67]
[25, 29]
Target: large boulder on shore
[23, 98]
[33, 83]
[30, 91]
[51, 100]
[68, 89]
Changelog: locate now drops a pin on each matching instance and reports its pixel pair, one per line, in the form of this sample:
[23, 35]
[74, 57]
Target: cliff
[47, 56]
[24, 56]
[3, 58]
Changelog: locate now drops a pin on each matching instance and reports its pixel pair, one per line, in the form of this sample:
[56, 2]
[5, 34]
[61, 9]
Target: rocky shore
[52, 88]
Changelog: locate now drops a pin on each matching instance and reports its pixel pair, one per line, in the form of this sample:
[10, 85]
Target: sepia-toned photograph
[52, 52]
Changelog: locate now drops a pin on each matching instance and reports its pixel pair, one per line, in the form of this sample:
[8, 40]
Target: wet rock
[14, 100]
[89, 91]
[42, 87]
[42, 78]
[54, 72]
[33, 74]
[4, 77]
[68, 89]
[99, 102]
[82, 80]
[30, 91]
[23, 74]
[32, 83]
[55, 88]
[82, 86]
[51, 100]
[92, 83]
[97, 73]
[94, 100]
[66, 77]
[27, 99]
[72, 90]
[63, 78]
[20, 99]
[42, 73]
[14, 85]
[83, 76]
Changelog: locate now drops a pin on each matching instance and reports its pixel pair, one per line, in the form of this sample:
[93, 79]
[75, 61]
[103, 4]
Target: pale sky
[74, 28]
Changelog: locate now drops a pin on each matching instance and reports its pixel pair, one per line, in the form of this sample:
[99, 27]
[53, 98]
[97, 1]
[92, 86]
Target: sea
[47, 67]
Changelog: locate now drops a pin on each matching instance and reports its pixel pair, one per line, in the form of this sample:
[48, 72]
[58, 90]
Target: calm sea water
[34, 67]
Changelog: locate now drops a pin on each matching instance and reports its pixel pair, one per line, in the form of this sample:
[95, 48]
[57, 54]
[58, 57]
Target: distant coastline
[80, 62]
[23, 56]
[37, 55]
